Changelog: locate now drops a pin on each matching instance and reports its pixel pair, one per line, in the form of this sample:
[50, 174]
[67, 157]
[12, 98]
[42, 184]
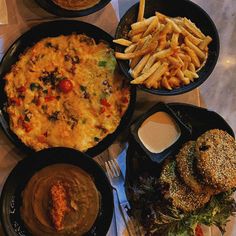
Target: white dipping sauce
[158, 132]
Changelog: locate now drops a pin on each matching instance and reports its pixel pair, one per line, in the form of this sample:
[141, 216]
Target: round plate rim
[59, 11]
[4, 217]
[185, 88]
[108, 140]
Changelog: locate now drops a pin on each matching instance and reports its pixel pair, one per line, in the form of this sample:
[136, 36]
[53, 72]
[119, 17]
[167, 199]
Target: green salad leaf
[160, 218]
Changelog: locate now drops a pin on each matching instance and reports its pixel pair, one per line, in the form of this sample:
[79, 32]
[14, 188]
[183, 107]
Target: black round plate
[173, 8]
[53, 29]
[198, 119]
[11, 194]
[51, 7]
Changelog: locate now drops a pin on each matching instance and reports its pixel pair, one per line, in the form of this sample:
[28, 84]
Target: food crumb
[58, 204]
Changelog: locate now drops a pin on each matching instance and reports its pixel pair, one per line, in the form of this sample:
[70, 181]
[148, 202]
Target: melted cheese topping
[43, 116]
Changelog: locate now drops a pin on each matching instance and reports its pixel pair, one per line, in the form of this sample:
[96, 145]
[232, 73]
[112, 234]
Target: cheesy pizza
[66, 91]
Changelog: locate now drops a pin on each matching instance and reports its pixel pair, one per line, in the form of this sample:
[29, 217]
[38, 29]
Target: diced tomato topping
[21, 89]
[104, 102]
[65, 85]
[102, 110]
[26, 126]
[49, 98]
[124, 100]
[198, 231]
[41, 138]
[15, 101]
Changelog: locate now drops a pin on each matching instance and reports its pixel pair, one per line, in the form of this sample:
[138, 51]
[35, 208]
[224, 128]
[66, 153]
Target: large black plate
[198, 119]
[28, 39]
[174, 8]
[11, 194]
[51, 7]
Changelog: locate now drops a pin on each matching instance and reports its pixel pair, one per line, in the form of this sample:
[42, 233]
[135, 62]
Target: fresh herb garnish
[75, 60]
[83, 88]
[35, 86]
[54, 116]
[96, 139]
[102, 63]
[44, 107]
[84, 121]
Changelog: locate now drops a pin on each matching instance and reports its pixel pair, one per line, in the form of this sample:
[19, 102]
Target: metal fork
[117, 181]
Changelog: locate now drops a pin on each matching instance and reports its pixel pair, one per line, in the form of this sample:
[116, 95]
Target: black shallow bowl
[173, 8]
[198, 119]
[185, 132]
[28, 39]
[51, 7]
[11, 194]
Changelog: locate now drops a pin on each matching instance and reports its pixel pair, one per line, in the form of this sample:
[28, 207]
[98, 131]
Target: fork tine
[115, 167]
[109, 173]
[112, 168]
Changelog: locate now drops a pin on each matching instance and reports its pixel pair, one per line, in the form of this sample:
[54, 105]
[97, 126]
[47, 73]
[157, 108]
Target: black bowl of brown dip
[57, 191]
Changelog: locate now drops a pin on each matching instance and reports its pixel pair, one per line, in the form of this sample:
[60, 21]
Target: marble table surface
[218, 92]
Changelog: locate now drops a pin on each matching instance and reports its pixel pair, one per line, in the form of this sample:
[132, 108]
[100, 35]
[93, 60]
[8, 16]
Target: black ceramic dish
[185, 132]
[28, 39]
[198, 119]
[51, 7]
[173, 8]
[11, 194]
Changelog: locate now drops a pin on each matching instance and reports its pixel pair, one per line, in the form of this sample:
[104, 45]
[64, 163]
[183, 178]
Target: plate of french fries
[166, 47]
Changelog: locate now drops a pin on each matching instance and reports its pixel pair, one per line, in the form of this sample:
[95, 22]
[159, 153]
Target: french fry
[136, 38]
[151, 27]
[180, 75]
[161, 16]
[144, 76]
[134, 32]
[141, 10]
[174, 61]
[165, 83]
[180, 60]
[191, 37]
[146, 41]
[149, 63]
[164, 53]
[156, 76]
[131, 48]
[126, 56]
[186, 80]
[191, 74]
[167, 29]
[174, 40]
[123, 42]
[193, 56]
[205, 42]
[174, 25]
[198, 51]
[174, 82]
[191, 67]
[139, 67]
[193, 28]
[142, 24]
